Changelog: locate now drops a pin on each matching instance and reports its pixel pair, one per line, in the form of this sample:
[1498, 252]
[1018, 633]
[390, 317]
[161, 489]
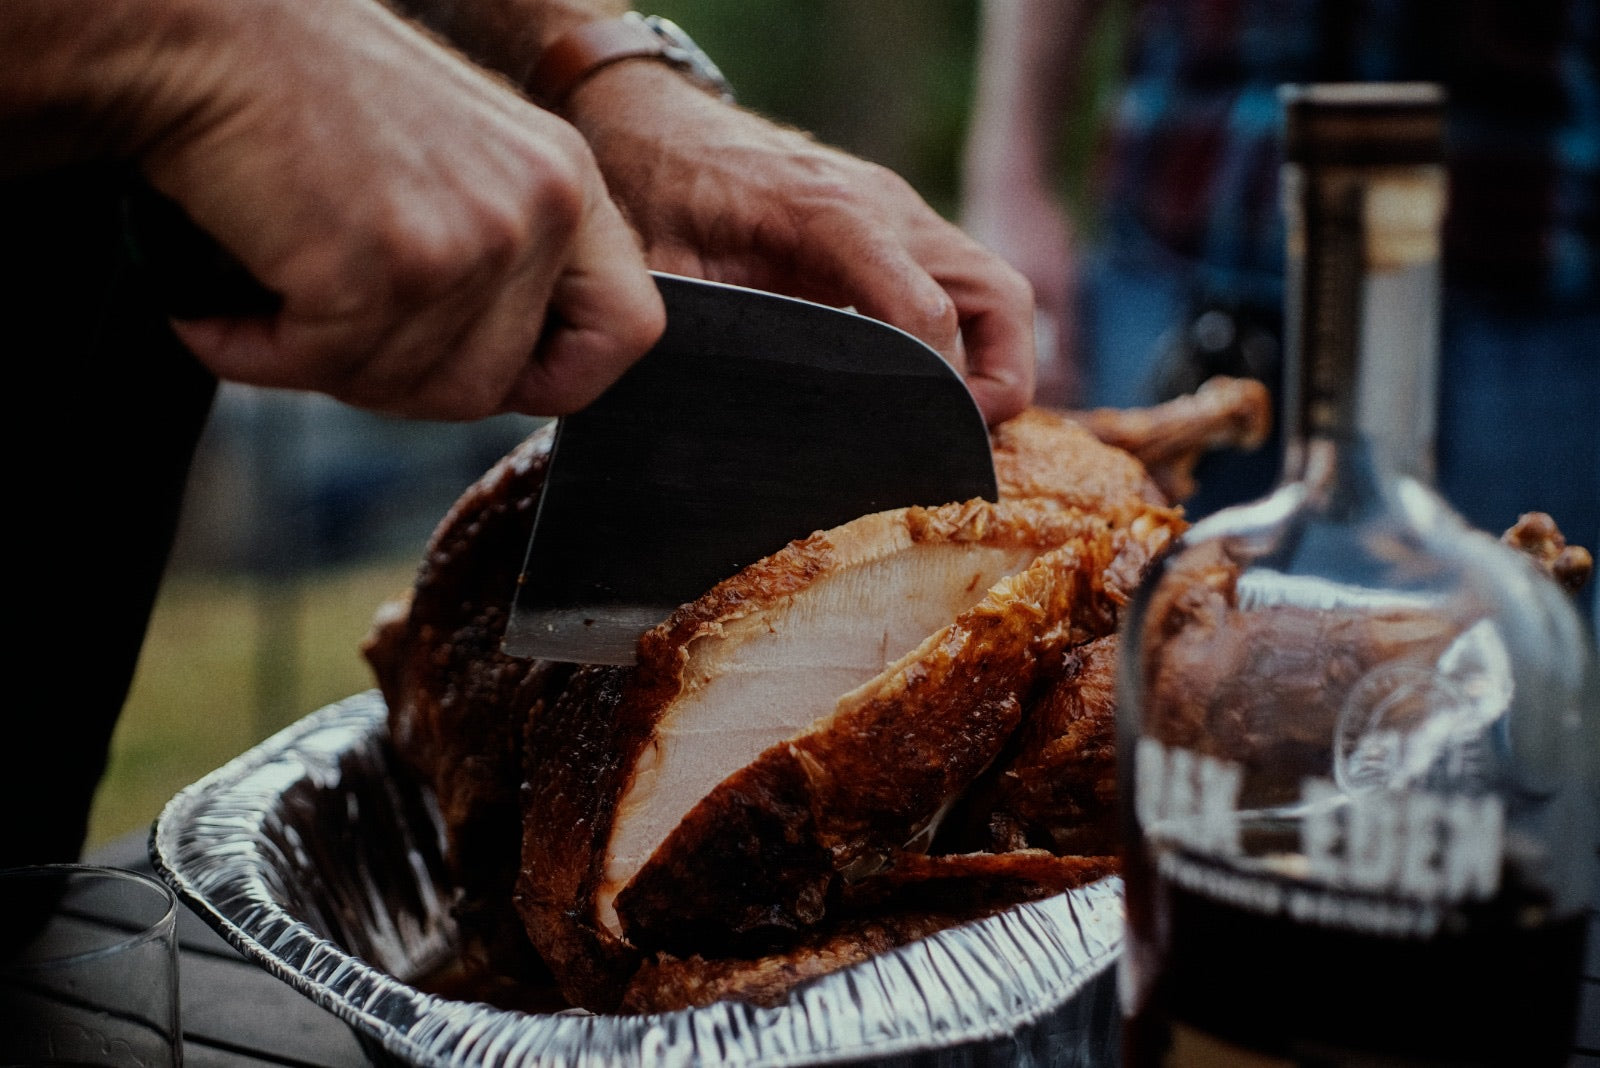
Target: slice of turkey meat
[889, 660]
[804, 720]
[531, 761]
[763, 663]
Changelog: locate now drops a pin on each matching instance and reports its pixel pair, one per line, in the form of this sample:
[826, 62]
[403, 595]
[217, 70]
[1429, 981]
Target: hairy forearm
[95, 79]
[507, 35]
[83, 79]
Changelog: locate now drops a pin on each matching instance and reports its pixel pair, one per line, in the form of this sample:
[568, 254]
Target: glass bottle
[1356, 735]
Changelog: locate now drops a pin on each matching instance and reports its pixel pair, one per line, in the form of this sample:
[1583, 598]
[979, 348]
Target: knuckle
[554, 211]
[1015, 286]
[555, 185]
[425, 255]
[939, 312]
[934, 319]
[876, 183]
[498, 240]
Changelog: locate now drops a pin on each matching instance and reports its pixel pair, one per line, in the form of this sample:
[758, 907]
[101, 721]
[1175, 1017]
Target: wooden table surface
[236, 1015]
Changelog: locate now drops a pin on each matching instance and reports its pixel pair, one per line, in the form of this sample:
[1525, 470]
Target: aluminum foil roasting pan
[320, 860]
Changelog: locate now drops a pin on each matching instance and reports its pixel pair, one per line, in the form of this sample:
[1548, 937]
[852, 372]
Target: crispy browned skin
[528, 760]
[457, 704]
[914, 896]
[666, 983]
[1106, 457]
[760, 852]
[974, 885]
[577, 750]
[1536, 534]
[756, 871]
[436, 655]
[1055, 786]
[1048, 454]
[1169, 439]
[477, 725]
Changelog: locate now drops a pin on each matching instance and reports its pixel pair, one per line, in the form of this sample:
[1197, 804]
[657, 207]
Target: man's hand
[443, 248]
[718, 192]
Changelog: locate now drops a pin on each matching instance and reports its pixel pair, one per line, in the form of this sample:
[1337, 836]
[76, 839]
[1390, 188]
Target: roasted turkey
[876, 732]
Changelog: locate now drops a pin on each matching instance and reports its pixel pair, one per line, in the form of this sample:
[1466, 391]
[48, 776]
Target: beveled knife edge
[756, 419]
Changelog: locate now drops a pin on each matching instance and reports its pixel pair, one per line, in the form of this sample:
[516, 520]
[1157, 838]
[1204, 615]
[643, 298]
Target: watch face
[681, 50]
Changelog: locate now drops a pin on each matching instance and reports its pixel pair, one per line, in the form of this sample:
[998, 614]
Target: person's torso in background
[1192, 227]
[1191, 168]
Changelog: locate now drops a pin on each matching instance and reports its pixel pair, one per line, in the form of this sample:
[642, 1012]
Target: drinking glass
[88, 968]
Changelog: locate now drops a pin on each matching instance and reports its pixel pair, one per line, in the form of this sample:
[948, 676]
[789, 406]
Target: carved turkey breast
[770, 781]
[875, 733]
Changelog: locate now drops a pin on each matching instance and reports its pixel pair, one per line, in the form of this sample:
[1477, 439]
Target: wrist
[508, 36]
[627, 106]
[588, 51]
[551, 20]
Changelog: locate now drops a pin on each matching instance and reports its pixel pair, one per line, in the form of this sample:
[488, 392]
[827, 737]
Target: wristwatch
[568, 62]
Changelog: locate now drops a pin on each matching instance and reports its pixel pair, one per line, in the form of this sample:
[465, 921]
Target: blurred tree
[888, 80]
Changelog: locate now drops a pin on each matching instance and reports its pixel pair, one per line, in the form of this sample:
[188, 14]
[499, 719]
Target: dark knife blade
[757, 419]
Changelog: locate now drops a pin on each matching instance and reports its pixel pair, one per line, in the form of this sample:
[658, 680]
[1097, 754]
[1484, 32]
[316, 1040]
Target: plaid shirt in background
[1192, 162]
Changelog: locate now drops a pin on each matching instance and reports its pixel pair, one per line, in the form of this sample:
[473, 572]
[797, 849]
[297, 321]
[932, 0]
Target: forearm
[83, 79]
[117, 79]
[507, 36]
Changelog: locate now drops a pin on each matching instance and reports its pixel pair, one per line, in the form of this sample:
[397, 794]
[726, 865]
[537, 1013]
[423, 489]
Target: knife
[756, 419]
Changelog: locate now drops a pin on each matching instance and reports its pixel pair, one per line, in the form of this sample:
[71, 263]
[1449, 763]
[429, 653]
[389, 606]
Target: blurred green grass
[228, 661]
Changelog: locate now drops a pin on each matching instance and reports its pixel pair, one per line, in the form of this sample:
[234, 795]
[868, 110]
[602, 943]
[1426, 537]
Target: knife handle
[189, 274]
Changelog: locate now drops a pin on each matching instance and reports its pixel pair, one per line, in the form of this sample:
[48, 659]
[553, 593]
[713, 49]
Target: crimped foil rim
[976, 986]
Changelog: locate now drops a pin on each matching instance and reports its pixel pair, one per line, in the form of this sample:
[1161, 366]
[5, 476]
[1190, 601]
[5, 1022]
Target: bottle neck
[1362, 317]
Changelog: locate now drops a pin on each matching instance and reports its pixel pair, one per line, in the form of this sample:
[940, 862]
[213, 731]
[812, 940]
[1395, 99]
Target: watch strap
[593, 46]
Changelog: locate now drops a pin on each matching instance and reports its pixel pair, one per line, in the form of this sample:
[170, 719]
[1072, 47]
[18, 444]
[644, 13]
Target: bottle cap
[1363, 123]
